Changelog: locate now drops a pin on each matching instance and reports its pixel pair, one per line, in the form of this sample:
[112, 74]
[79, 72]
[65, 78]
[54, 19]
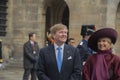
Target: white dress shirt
[56, 50]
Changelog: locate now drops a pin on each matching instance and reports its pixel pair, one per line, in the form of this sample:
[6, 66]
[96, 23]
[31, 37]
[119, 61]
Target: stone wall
[86, 12]
[24, 16]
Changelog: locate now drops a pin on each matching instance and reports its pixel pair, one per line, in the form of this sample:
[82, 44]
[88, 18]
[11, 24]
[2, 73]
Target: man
[31, 51]
[71, 41]
[86, 32]
[59, 61]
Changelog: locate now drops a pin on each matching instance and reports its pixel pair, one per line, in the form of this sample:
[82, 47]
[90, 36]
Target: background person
[50, 38]
[86, 32]
[104, 65]
[1, 58]
[71, 41]
[31, 50]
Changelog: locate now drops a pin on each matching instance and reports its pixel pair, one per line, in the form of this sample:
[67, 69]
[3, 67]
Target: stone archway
[111, 12]
[57, 11]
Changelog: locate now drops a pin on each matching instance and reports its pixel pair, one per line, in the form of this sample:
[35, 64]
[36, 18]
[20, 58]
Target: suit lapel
[65, 55]
[29, 45]
[53, 56]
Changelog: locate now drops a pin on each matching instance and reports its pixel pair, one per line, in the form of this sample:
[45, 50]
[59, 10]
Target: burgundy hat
[105, 32]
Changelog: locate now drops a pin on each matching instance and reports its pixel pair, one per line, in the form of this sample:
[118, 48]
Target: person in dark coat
[104, 64]
[59, 61]
[1, 59]
[30, 57]
[86, 32]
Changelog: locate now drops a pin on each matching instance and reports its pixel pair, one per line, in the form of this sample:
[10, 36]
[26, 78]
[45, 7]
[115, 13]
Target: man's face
[33, 38]
[60, 36]
[72, 43]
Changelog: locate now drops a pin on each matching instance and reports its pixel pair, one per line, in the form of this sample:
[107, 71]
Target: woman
[104, 65]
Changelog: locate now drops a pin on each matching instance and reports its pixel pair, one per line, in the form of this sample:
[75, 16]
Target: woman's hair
[108, 39]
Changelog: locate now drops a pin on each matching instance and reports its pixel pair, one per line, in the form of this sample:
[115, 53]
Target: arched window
[3, 13]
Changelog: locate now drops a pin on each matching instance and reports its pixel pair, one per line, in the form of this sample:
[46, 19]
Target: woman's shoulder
[116, 57]
[112, 57]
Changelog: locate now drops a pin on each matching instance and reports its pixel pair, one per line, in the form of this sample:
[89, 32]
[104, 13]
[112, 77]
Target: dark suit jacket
[84, 50]
[30, 59]
[47, 65]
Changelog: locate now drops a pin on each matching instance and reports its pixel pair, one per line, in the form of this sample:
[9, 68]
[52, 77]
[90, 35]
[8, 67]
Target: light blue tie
[59, 58]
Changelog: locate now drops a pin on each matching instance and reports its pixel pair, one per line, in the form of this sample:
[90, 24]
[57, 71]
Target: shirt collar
[32, 42]
[56, 46]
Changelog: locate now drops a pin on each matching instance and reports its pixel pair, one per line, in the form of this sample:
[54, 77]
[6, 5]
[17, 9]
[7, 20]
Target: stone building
[24, 16]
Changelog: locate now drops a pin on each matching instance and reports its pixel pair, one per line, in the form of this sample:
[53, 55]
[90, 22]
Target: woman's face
[104, 44]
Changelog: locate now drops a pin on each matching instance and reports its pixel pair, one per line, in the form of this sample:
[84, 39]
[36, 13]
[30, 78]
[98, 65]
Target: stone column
[111, 12]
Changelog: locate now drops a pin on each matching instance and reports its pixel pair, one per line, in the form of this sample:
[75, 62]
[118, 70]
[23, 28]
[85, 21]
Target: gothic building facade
[19, 17]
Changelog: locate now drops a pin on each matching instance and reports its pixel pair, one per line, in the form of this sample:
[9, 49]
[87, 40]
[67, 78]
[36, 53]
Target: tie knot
[59, 48]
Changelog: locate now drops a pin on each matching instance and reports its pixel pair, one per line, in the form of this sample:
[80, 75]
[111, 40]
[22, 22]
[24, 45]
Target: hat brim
[105, 32]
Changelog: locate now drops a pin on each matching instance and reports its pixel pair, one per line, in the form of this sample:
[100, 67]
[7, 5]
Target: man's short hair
[70, 39]
[31, 34]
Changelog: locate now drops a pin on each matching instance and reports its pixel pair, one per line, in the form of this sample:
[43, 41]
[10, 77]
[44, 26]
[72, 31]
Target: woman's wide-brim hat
[102, 33]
